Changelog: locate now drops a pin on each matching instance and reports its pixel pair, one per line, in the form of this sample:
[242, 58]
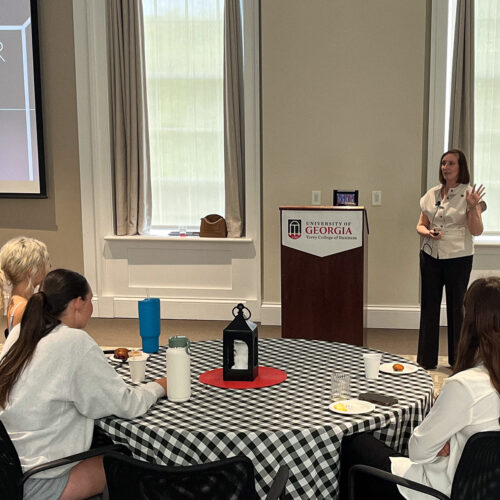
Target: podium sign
[323, 269]
[322, 232]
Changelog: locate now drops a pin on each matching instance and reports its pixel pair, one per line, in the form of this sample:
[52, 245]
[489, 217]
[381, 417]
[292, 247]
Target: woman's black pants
[364, 449]
[454, 275]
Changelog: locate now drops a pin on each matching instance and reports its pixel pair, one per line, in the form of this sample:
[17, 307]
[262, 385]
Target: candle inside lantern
[240, 355]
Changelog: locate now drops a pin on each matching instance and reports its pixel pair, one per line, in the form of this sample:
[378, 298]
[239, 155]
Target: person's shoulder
[433, 190]
[16, 308]
[474, 380]
[431, 194]
[18, 312]
[71, 337]
[470, 373]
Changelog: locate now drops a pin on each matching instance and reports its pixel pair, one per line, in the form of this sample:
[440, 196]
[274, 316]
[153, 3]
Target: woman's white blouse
[450, 217]
[467, 404]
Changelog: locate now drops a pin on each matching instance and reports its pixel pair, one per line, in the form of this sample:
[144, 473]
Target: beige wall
[343, 100]
[343, 91]
[57, 219]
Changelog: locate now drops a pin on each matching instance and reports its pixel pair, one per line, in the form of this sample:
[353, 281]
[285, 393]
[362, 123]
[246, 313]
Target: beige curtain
[234, 132]
[129, 117]
[462, 82]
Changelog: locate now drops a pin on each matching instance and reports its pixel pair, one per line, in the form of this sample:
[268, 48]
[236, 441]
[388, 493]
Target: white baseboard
[392, 317]
[405, 318]
[269, 313]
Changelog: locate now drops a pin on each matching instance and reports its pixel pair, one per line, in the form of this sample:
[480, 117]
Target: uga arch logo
[294, 228]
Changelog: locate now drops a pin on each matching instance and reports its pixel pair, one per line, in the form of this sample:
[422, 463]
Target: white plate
[354, 406]
[387, 368]
[112, 358]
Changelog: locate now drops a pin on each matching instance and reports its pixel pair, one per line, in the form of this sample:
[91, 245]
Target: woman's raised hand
[474, 197]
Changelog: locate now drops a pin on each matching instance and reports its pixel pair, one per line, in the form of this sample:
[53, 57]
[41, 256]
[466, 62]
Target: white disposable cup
[372, 364]
[340, 386]
[137, 367]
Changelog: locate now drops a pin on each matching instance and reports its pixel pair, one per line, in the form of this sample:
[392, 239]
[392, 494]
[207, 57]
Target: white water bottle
[178, 369]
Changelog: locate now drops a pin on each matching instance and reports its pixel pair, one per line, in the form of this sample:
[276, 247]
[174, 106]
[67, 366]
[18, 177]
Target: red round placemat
[267, 376]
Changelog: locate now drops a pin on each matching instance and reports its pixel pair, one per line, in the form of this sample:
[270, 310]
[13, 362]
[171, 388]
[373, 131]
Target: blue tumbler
[149, 324]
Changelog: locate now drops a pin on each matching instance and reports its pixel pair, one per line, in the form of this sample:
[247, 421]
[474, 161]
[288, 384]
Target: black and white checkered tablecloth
[286, 423]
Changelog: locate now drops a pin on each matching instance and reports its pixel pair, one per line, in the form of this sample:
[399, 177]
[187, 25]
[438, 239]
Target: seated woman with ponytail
[54, 381]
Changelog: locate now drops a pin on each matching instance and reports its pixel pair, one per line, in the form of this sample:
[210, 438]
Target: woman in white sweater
[54, 381]
[468, 403]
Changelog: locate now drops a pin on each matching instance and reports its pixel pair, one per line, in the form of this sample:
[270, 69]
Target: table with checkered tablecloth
[289, 423]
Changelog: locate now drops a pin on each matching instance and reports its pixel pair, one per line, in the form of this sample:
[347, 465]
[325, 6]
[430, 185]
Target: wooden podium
[323, 273]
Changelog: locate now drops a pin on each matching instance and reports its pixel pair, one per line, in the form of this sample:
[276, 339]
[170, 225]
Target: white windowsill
[185, 239]
[487, 240]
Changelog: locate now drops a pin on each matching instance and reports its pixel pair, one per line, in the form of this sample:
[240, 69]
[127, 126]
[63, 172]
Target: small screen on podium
[345, 198]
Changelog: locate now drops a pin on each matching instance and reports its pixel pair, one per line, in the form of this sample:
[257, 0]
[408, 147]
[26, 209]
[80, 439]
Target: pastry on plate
[121, 353]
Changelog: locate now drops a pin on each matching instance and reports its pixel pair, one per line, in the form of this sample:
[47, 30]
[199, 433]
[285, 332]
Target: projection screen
[22, 171]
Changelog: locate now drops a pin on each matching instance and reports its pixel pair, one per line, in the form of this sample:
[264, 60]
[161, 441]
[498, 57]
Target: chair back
[131, 479]
[10, 468]
[478, 472]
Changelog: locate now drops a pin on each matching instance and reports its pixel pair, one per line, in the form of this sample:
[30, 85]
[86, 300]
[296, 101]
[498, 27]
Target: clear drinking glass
[340, 386]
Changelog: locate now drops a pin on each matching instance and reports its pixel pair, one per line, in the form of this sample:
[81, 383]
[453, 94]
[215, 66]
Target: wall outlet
[376, 198]
[316, 197]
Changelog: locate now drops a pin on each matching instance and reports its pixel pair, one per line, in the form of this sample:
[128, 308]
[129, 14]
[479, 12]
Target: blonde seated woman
[24, 262]
[54, 382]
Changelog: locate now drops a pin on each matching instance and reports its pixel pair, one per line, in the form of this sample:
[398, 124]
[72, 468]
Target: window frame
[437, 141]
[107, 258]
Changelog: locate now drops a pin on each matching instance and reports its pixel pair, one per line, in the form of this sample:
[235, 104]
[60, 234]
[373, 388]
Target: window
[184, 66]
[487, 107]
[486, 103]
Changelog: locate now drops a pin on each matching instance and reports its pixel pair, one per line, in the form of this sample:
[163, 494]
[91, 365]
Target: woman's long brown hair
[40, 317]
[480, 334]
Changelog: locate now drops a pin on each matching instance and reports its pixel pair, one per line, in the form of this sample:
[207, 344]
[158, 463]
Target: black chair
[477, 476]
[11, 475]
[228, 479]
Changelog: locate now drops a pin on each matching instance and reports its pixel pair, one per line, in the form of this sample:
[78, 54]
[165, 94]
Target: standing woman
[24, 262]
[54, 382]
[450, 216]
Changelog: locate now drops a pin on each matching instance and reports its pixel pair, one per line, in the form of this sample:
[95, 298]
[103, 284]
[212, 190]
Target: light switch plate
[316, 197]
[376, 198]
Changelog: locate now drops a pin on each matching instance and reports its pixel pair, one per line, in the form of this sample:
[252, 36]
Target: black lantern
[240, 357]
